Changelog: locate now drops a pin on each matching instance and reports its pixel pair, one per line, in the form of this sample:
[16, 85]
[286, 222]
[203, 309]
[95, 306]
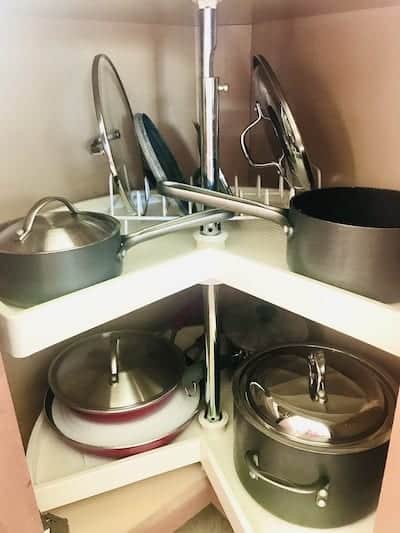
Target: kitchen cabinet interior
[338, 64]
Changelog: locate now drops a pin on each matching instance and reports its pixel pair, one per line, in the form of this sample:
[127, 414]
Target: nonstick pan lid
[157, 154]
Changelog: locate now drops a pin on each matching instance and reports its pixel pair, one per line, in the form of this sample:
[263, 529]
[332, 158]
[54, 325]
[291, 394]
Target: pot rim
[113, 410]
[298, 211]
[374, 440]
[116, 231]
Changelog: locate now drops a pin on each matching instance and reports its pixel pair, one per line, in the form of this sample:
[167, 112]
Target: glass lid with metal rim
[318, 394]
[291, 158]
[117, 139]
[115, 371]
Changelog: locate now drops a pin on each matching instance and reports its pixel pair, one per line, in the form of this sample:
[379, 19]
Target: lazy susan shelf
[252, 260]
[62, 475]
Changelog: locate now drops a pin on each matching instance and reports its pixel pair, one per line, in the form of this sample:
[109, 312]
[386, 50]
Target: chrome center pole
[210, 302]
[209, 161]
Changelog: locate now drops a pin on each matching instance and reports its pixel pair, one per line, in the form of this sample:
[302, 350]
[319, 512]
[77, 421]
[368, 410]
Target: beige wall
[46, 106]
[341, 74]
[232, 65]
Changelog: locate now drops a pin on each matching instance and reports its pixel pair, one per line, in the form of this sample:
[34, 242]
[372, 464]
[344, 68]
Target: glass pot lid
[116, 371]
[55, 231]
[317, 394]
[280, 126]
[117, 139]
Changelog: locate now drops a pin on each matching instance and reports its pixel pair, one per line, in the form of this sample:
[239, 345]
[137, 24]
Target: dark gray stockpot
[312, 426]
[47, 255]
[348, 237]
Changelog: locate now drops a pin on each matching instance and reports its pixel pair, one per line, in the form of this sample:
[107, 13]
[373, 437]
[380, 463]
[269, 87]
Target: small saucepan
[44, 256]
[346, 236]
[118, 375]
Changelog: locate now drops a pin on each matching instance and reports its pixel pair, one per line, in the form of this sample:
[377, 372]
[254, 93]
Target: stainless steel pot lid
[117, 139]
[55, 231]
[254, 326]
[116, 371]
[280, 126]
[317, 394]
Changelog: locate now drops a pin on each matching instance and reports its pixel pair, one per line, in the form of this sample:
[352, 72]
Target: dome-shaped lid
[115, 371]
[317, 394]
[55, 231]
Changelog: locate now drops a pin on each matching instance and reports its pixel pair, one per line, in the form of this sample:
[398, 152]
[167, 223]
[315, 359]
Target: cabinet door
[388, 514]
[18, 510]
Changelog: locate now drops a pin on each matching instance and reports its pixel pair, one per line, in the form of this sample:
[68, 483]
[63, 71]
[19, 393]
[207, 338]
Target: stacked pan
[119, 393]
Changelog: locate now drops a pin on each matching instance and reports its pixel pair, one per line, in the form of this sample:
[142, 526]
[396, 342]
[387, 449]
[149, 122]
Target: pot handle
[182, 191]
[320, 487]
[177, 224]
[245, 148]
[30, 218]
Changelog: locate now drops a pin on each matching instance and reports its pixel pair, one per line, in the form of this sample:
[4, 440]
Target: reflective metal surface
[190, 193]
[55, 231]
[273, 111]
[213, 385]
[318, 395]
[115, 122]
[116, 371]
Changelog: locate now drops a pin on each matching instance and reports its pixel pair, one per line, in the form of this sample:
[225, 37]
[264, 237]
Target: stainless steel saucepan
[346, 236]
[44, 256]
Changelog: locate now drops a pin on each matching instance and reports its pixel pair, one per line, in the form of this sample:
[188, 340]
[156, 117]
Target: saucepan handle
[245, 148]
[182, 191]
[177, 224]
[320, 487]
[30, 218]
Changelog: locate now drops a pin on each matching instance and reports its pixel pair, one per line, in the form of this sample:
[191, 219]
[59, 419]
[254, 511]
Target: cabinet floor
[209, 520]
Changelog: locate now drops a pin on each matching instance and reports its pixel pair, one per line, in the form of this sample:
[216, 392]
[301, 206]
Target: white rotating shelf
[62, 475]
[253, 261]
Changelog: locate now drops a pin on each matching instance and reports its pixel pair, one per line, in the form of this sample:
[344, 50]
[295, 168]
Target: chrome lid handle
[30, 218]
[245, 148]
[317, 374]
[319, 488]
[114, 362]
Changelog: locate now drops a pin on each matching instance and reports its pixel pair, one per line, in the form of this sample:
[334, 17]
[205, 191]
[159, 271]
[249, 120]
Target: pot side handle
[320, 487]
[183, 191]
[177, 224]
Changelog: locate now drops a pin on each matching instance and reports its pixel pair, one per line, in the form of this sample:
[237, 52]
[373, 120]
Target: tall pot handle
[30, 218]
[182, 191]
[245, 148]
[320, 487]
[177, 224]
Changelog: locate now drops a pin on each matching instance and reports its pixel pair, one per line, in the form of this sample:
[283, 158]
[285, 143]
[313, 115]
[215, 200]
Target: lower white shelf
[62, 475]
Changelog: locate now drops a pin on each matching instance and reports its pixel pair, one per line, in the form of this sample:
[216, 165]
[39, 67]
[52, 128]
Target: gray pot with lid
[49, 254]
[312, 426]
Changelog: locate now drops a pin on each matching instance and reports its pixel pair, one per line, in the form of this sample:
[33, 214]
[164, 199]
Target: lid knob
[317, 375]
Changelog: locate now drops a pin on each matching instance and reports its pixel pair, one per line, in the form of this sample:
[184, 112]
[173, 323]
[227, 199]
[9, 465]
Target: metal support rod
[209, 112]
[210, 302]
